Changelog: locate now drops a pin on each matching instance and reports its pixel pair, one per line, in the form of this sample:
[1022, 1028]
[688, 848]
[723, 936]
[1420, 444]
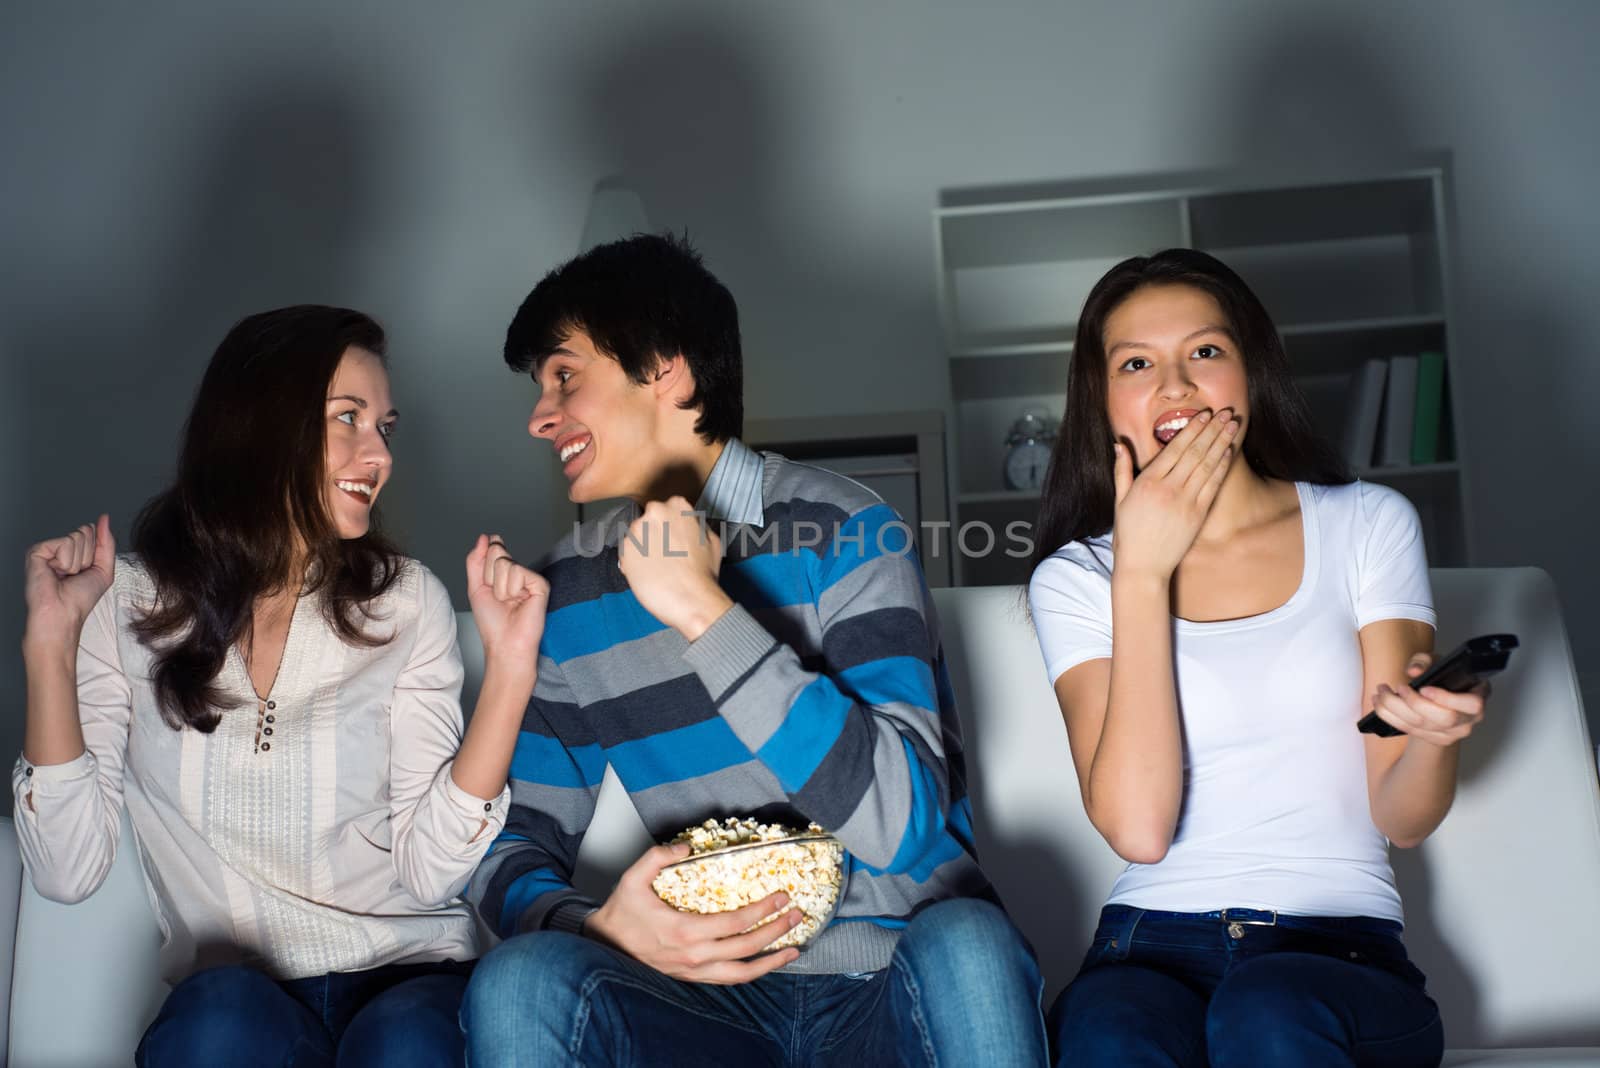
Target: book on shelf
[1426, 447]
[1399, 413]
[1360, 438]
[1447, 426]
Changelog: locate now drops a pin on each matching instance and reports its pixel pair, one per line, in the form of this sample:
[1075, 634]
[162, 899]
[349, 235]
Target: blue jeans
[1245, 987]
[962, 988]
[397, 1016]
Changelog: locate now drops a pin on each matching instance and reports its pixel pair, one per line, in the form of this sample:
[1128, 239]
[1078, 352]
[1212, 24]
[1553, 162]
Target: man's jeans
[1245, 987]
[962, 989]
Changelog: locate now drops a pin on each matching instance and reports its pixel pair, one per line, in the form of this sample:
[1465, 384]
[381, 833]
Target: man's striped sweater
[822, 696]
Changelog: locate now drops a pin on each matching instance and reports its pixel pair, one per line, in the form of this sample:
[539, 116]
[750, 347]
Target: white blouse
[316, 831]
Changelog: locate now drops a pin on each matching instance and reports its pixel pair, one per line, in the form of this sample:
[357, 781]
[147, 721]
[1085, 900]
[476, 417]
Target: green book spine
[1430, 407]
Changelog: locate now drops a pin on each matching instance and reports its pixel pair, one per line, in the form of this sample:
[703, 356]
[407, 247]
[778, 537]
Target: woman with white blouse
[273, 691]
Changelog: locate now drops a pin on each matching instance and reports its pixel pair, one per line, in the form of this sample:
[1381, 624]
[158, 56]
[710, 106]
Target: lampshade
[615, 212]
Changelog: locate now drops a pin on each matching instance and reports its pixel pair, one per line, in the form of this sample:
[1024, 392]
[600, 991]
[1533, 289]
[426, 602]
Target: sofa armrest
[94, 961]
[10, 896]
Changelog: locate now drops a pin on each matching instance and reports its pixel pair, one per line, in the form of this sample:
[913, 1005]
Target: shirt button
[265, 746]
[272, 719]
[488, 806]
[27, 771]
[272, 704]
[266, 730]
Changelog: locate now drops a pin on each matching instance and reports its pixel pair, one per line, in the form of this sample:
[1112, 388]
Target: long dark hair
[249, 490]
[1079, 499]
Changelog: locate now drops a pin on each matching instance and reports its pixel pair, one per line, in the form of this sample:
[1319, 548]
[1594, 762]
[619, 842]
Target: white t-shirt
[1275, 812]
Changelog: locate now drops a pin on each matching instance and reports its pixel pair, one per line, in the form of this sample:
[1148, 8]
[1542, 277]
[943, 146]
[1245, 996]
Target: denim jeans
[962, 988]
[1245, 987]
[397, 1016]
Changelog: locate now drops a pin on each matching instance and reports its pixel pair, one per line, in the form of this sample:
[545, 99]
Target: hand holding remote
[1456, 684]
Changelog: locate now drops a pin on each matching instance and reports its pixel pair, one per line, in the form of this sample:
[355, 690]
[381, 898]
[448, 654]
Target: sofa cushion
[1499, 901]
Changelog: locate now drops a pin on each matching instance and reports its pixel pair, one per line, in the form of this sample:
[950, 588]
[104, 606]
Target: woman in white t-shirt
[1218, 603]
[273, 693]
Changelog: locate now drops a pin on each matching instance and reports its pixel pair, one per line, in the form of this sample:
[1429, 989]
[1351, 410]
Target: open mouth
[360, 489]
[1172, 423]
[569, 451]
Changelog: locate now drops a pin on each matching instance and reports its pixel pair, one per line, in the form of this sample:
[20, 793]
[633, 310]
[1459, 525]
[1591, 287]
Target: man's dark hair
[640, 300]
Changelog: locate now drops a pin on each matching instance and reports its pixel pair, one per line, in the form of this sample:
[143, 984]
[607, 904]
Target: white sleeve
[440, 830]
[1392, 570]
[69, 816]
[1071, 607]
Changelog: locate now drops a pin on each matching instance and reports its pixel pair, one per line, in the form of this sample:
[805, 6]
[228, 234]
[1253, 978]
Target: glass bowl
[808, 867]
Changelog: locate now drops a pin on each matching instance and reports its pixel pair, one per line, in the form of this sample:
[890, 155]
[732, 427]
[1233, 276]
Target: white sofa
[1503, 901]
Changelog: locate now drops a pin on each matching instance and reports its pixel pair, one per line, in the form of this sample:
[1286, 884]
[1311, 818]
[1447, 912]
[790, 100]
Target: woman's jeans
[962, 988]
[397, 1016]
[1245, 987]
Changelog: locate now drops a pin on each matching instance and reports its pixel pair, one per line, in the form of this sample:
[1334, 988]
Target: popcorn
[737, 862]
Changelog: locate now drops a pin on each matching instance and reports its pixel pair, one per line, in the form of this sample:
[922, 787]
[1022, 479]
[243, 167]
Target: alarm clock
[1027, 456]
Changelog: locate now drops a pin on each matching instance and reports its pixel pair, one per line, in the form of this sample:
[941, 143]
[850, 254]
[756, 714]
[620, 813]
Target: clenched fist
[670, 557]
[65, 577]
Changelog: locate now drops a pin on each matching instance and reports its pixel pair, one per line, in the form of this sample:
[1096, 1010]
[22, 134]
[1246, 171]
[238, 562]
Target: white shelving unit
[1350, 267]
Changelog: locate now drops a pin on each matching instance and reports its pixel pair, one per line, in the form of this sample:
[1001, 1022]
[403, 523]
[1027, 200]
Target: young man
[793, 674]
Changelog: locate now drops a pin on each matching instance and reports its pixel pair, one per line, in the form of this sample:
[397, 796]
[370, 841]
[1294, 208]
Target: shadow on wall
[1311, 92]
[263, 207]
[698, 116]
[1317, 93]
[1314, 93]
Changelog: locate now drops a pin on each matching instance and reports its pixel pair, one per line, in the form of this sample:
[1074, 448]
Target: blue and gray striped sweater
[821, 695]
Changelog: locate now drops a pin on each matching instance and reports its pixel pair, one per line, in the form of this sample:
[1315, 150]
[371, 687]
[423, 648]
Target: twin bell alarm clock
[1027, 455]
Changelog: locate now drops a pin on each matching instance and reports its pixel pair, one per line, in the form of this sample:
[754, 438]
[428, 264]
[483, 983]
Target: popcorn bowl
[806, 865]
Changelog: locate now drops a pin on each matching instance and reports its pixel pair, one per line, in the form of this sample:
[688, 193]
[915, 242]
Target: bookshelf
[1352, 268]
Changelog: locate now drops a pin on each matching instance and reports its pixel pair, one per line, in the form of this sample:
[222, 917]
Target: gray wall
[169, 169]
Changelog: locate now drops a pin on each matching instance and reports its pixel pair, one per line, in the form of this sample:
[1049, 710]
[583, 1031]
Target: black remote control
[1466, 665]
